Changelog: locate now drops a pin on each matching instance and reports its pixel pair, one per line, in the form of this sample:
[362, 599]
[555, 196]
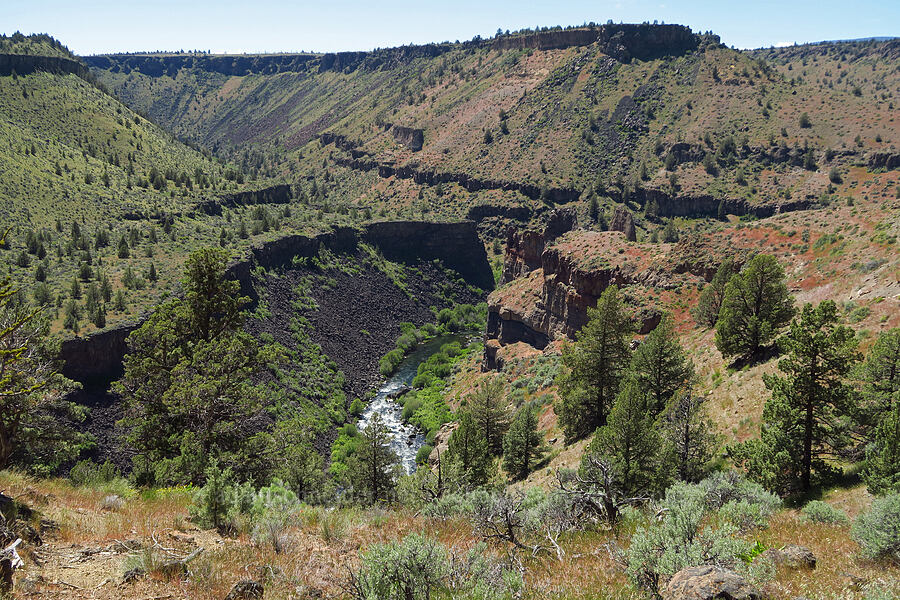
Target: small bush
[112, 502]
[745, 515]
[273, 509]
[878, 530]
[413, 569]
[822, 512]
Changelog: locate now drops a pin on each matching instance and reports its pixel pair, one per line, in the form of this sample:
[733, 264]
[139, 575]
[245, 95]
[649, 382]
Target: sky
[220, 26]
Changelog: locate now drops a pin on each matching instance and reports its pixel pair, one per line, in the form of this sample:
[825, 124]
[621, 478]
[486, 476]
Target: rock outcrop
[408, 137]
[668, 205]
[623, 220]
[22, 64]
[709, 582]
[791, 557]
[276, 194]
[550, 285]
[884, 160]
[524, 247]
[623, 42]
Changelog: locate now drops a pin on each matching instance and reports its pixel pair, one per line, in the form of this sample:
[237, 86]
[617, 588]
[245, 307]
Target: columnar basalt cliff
[276, 194]
[623, 42]
[525, 247]
[97, 358]
[408, 137]
[22, 64]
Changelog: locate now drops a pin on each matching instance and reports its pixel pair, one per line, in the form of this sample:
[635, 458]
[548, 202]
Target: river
[406, 439]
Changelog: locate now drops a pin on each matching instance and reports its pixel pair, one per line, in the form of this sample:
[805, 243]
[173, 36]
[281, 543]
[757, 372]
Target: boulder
[709, 582]
[247, 589]
[791, 557]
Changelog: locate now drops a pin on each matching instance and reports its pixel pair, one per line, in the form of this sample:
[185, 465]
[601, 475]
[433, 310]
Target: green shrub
[878, 530]
[89, 474]
[684, 537]
[413, 569]
[212, 502]
[678, 541]
[817, 511]
[423, 454]
[273, 509]
[389, 362]
[745, 515]
[420, 568]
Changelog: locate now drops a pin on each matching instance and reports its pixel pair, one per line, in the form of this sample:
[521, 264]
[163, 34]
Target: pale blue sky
[98, 26]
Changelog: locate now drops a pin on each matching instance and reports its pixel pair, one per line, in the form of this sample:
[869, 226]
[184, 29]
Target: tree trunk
[807, 447]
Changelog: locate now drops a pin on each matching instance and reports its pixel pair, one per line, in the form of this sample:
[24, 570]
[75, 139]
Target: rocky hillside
[672, 121]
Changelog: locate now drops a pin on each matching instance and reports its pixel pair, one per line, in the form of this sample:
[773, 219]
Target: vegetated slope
[846, 252]
[96, 193]
[550, 116]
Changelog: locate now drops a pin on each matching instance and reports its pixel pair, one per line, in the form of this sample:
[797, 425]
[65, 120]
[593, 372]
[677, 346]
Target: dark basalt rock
[23, 64]
[623, 221]
[247, 589]
[623, 42]
[409, 137]
[276, 194]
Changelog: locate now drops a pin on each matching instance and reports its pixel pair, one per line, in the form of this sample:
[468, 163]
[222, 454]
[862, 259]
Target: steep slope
[523, 119]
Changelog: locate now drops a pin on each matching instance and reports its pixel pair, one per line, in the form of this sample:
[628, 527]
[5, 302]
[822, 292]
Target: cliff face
[23, 64]
[457, 245]
[276, 194]
[622, 42]
[408, 137]
[551, 300]
[669, 205]
[524, 247]
[97, 358]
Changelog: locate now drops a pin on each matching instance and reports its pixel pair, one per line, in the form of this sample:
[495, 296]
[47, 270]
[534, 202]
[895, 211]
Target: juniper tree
[706, 312]
[490, 413]
[799, 420]
[631, 442]
[688, 436]
[31, 390]
[372, 467]
[882, 470]
[660, 365]
[594, 366]
[523, 446]
[755, 306]
[188, 384]
[880, 374]
[467, 451]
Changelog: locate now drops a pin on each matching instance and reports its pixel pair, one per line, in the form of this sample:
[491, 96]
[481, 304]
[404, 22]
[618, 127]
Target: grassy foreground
[97, 541]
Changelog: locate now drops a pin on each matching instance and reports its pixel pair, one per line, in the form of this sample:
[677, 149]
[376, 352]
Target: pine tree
[689, 436]
[660, 365]
[756, 305]
[880, 374]
[710, 302]
[523, 446]
[594, 367]
[799, 420]
[123, 250]
[372, 466]
[490, 412]
[467, 449]
[882, 470]
[631, 442]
